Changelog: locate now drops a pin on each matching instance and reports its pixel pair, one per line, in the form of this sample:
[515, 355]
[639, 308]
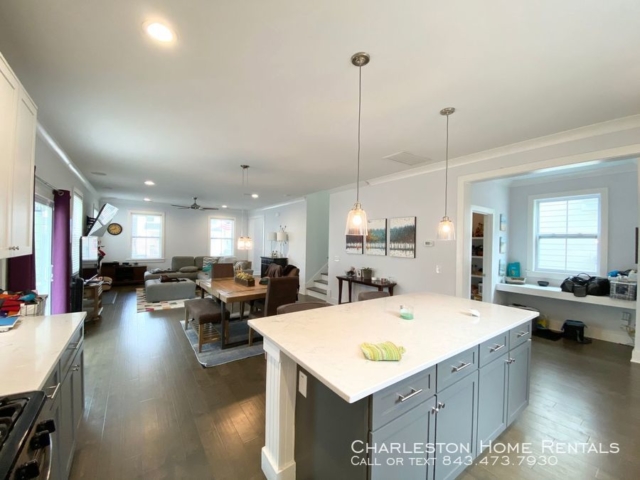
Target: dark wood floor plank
[153, 412]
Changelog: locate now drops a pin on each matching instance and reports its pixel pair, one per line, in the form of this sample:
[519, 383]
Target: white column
[278, 462]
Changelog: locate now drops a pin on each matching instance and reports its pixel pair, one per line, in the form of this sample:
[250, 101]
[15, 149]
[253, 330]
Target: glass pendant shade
[446, 229]
[245, 243]
[357, 221]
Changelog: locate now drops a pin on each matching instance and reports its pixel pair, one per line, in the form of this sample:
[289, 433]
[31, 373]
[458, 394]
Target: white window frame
[603, 234]
[162, 237]
[233, 234]
[75, 244]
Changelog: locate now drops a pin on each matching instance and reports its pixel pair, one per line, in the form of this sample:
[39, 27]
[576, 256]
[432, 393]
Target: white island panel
[326, 341]
[30, 351]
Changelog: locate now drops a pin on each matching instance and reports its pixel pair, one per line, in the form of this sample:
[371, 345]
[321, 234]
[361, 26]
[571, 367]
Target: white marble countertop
[30, 351]
[326, 341]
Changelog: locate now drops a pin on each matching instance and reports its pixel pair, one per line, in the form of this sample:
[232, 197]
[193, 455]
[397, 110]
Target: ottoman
[156, 291]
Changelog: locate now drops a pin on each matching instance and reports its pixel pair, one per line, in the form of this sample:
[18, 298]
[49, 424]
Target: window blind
[221, 234]
[146, 236]
[567, 233]
[76, 233]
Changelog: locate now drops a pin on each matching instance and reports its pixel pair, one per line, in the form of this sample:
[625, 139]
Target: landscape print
[354, 244]
[376, 243]
[402, 237]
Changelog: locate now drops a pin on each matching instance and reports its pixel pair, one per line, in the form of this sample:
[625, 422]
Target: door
[519, 368]
[256, 233]
[456, 427]
[43, 225]
[413, 428]
[492, 401]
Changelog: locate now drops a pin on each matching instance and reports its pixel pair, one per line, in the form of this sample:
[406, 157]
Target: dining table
[228, 292]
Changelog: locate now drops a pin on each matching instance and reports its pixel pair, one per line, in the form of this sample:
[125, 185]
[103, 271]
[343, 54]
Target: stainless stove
[25, 440]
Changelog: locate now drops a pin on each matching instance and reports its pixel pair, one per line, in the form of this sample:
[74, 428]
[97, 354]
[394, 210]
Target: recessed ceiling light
[160, 32]
[224, 206]
[149, 182]
[254, 195]
[147, 199]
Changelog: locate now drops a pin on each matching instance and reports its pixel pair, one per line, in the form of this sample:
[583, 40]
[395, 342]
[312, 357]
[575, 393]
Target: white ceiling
[270, 84]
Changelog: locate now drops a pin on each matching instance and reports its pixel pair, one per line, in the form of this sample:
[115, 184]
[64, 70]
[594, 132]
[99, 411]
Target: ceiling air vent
[407, 158]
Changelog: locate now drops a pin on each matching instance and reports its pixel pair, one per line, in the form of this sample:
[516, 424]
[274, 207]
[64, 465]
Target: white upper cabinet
[17, 153]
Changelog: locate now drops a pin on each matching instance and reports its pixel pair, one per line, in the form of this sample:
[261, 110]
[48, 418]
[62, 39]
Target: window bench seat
[556, 293]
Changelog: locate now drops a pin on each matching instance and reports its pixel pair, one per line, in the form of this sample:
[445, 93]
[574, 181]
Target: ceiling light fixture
[159, 32]
[446, 229]
[244, 243]
[357, 218]
[147, 199]
[254, 195]
[224, 206]
[149, 182]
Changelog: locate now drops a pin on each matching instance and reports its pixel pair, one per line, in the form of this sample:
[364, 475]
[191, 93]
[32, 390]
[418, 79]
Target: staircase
[319, 289]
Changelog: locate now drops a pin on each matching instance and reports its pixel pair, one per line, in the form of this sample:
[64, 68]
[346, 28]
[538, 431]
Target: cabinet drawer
[519, 335]
[393, 401]
[457, 367]
[71, 350]
[494, 348]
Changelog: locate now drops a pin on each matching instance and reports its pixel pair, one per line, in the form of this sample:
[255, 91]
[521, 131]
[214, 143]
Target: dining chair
[371, 295]
[280, 291]
[222, 270]
[301, 307]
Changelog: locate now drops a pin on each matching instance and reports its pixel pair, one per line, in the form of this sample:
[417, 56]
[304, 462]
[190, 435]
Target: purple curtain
[21, 271]
[60, 288]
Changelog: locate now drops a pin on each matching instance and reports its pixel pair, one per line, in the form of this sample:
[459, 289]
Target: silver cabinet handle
[510, 361]
[521, 334]
[495, 348]
[441, 405]
[73, 346]
[55, 392]
[413, 393]
[461, 367]
[75, 368]
[434, 410]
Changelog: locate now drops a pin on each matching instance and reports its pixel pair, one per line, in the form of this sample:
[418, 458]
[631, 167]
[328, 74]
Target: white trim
[603, 235]
[572, 174]
[234, 240]
[278, 205]
[162, 238]
[465, 181]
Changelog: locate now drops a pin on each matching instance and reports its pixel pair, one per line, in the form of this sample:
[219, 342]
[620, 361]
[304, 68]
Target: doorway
[481, 277]
[256, 233]
[43, 230]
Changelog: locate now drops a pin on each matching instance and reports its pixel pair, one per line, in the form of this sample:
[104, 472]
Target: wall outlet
[302, 384]
[336, 258]
[429, 243]
[438, 269]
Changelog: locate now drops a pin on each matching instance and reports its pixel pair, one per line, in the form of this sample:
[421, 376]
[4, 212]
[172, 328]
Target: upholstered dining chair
[301, 307]
[371, 295]
[280, 291]
[222, 270]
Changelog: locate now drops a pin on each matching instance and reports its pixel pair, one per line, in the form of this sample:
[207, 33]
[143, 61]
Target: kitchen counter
[30, 351]
[326, 341]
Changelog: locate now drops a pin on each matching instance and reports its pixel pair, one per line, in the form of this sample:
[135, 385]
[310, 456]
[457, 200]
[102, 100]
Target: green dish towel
[387, 351]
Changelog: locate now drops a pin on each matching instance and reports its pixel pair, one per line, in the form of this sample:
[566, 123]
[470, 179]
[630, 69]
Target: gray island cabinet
[333, 415]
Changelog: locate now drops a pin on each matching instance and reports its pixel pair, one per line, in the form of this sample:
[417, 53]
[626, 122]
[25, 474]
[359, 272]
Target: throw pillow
[207, 268]
[209, 261]
[188, 269]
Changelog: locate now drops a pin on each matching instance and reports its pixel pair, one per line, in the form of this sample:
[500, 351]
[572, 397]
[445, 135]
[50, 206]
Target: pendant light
[446, 229]
[357, 223]
[244, 243]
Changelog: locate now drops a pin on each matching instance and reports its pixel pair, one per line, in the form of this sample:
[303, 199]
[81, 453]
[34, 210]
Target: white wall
[186, 232]
[294, 217]
[317, 233]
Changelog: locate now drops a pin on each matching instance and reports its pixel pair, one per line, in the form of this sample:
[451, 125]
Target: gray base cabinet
[492, 401]
[518, 388]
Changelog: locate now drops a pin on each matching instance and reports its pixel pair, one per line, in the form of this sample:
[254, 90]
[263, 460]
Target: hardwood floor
[152, 412]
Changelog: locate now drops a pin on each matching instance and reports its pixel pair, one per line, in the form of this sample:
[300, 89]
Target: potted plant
[367, 273]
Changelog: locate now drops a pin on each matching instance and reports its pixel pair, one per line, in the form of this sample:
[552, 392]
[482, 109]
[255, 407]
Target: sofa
[192, 267]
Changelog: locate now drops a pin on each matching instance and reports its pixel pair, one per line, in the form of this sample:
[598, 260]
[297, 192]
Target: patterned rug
[143, 306]
[213, 355]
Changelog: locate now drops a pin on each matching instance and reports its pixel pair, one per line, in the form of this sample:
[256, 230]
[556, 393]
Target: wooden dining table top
[229, 291]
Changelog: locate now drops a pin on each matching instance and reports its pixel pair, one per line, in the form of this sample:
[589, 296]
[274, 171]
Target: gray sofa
[191, 268]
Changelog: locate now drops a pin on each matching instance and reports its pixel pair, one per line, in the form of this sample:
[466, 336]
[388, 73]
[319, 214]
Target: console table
[266, 261]
[124, 274]
[361, 281]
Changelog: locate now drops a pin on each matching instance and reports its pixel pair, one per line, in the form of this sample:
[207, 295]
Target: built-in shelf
[477, 238]
[477, 256]
[557, 294]
[474, 275]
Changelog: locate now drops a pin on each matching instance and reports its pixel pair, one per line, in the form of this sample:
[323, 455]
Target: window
[147, 236]
[569, 233]
[221, 235]
[76, 233]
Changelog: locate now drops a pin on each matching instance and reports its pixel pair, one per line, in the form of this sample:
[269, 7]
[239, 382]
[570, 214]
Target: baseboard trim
[635, 355]
[272, 473]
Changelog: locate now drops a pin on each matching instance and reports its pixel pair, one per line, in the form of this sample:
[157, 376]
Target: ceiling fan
[194, 206]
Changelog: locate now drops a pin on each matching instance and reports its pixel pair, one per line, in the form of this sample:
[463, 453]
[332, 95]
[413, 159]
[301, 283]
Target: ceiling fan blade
[209, 208]
[179, 206]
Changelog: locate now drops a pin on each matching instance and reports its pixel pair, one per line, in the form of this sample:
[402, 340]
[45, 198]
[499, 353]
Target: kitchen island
[47, 353]
[470, 373]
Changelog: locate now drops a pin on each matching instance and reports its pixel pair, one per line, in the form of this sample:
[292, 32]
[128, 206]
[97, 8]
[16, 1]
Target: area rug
[109, 297]
[143, 306]
[212, 355]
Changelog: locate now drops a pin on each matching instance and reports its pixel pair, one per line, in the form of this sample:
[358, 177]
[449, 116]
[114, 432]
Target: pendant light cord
[446, 171]
[359, 116]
